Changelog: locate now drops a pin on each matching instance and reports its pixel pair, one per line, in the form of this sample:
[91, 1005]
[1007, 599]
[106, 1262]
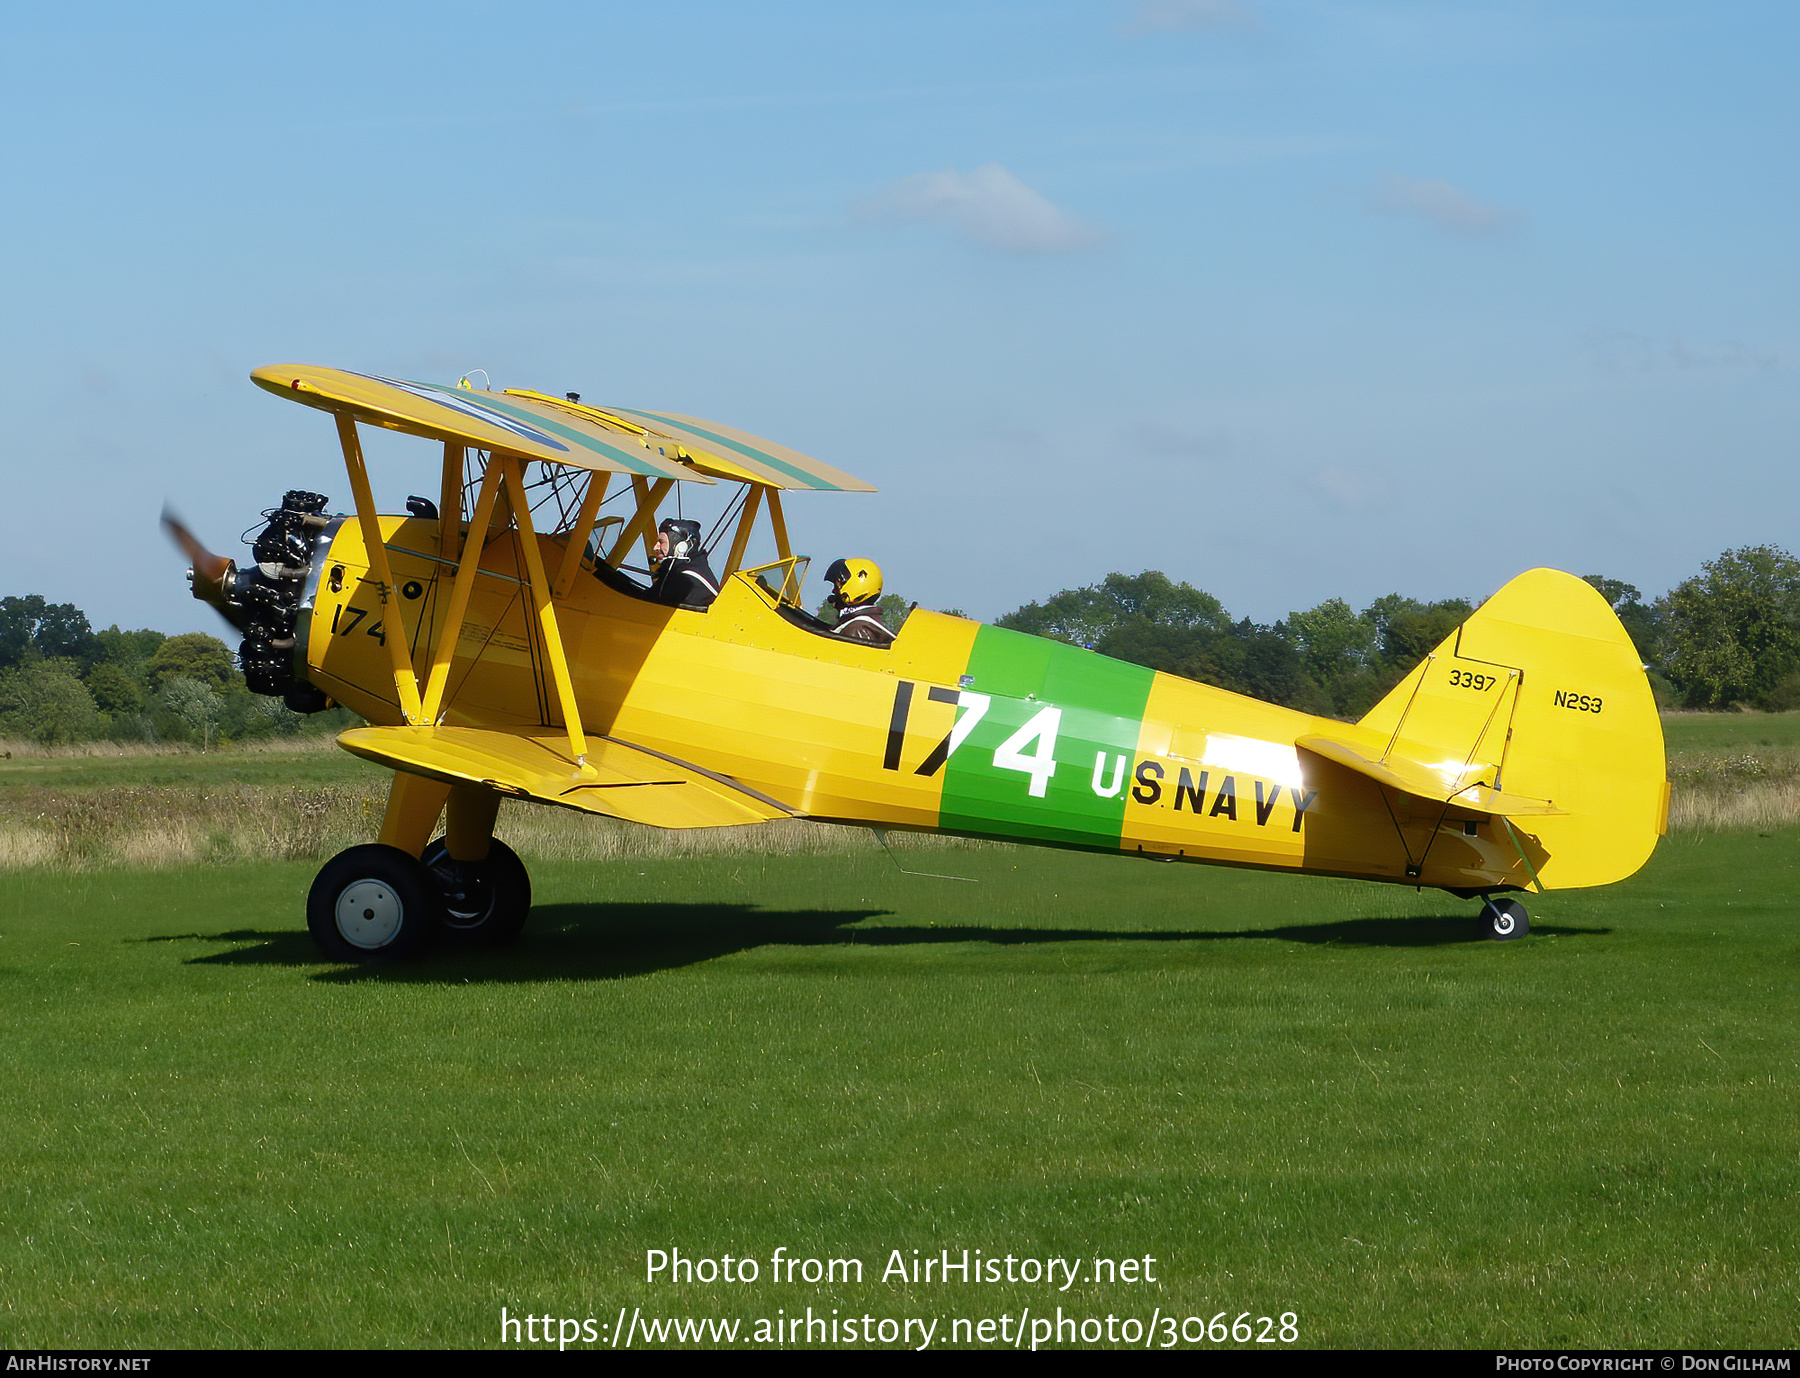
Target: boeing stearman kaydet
[498, 650]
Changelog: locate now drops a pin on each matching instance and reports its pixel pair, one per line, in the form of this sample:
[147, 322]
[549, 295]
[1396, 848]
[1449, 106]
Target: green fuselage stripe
[1101, 705]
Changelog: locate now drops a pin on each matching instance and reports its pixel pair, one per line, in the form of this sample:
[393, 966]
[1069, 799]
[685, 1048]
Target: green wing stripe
[807, 480]
[636, 464]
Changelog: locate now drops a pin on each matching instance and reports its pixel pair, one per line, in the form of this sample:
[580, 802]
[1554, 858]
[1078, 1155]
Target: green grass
[1296, 1094]
[307, 761]
[1684, 733]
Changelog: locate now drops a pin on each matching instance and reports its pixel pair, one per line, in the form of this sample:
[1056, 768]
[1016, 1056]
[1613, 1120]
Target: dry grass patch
[83, 816]
[159, 827]
[1726, 790]
[156, 827]
[1760, 808]
[13, 748]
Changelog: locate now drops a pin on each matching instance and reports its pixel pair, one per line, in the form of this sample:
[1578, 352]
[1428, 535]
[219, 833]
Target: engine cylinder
[269, 593]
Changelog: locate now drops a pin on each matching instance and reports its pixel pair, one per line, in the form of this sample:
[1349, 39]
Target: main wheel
[1504, 919]
[481, 902]
[370, 904]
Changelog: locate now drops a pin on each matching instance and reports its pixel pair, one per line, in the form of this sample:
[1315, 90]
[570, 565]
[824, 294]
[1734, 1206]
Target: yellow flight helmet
[853, 582]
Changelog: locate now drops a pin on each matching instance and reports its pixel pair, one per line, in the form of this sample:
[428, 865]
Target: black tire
[371, 904]
[1504, 919]
[480, 903]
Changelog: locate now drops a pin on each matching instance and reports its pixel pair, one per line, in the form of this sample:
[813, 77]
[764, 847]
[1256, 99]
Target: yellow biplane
[498, 649]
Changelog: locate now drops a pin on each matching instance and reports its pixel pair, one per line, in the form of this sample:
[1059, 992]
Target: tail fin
[1540, 695]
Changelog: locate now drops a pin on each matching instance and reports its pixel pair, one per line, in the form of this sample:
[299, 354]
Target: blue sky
[1288, 300]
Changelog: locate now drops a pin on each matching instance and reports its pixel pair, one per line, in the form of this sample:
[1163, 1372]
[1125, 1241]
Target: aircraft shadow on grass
[610, 941]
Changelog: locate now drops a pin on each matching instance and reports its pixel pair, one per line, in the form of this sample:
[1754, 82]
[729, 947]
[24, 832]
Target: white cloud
[1625, 351]
[1438, 203]
[1160, 16]
[1169, 442]
[989, 204]
[1346, 489]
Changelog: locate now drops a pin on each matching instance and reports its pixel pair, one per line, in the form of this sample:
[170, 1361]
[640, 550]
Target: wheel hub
[464, 890]
[369, 914]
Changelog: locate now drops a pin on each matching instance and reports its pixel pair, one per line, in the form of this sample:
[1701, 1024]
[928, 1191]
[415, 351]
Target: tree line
[61, 681]
[1727, 637]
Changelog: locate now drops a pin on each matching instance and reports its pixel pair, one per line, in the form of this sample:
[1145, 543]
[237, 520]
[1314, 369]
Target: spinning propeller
[213, 576]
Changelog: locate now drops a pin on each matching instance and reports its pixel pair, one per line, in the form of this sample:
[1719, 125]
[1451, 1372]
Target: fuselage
[958, 727]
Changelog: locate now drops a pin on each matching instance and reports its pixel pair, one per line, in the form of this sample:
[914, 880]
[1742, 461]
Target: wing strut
[460, 591]
[450, 488]
[406, 682]
[546, 609]
[752, 501]
[578, 537]
[648, 496]
[779, 522]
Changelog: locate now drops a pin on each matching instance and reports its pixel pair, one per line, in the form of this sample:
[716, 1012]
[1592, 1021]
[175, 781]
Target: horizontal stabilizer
[1427, 782]
[618, 780]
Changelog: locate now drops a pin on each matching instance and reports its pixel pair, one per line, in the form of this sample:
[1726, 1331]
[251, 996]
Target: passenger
[682, 576]
[855, 593]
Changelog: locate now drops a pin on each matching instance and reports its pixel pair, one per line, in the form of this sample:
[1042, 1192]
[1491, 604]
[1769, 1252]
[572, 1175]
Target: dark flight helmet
[684, 537]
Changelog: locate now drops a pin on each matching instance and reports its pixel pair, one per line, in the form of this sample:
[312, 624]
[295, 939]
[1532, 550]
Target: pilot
[855, 593]
[682, 576]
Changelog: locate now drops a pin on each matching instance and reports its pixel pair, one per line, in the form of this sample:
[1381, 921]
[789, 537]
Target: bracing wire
[726, 518]
[881, 837]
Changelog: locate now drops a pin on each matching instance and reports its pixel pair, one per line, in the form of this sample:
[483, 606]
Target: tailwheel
[480, 902]
[1504, 919]
[371, 904]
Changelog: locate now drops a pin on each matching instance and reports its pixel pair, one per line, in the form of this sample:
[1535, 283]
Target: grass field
[304, 800]
[1296, 1095]
[1687, 735]
[1733, 770]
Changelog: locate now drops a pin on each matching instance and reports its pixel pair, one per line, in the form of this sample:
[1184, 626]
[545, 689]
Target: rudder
[1568, 718]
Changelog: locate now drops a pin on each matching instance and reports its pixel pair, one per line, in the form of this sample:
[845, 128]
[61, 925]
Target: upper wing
[486, 420]
[763, 460]
[618, 780]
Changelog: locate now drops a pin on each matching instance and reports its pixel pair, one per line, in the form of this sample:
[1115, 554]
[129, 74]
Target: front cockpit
[535, 491]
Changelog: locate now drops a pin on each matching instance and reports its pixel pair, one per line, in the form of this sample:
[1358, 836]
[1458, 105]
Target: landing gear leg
[1504, 919]
[413, 806]
[483, 887]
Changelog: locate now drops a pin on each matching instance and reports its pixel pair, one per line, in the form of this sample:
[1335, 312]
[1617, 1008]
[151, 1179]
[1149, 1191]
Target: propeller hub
[263, 600]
